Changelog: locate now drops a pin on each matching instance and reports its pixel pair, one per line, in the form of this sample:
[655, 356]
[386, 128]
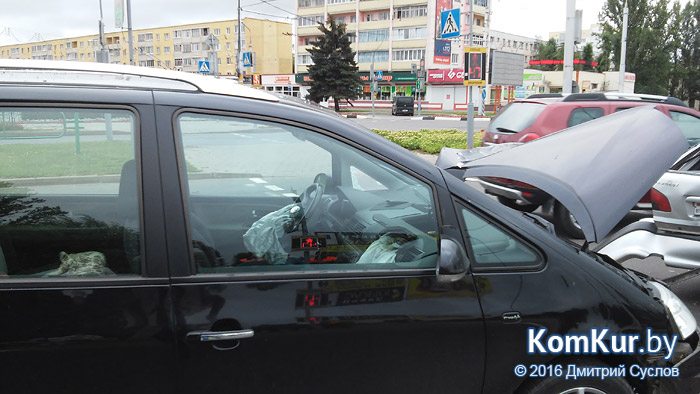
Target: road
[388, 122]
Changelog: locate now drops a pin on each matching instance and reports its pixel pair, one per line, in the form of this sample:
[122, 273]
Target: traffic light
[475, 68]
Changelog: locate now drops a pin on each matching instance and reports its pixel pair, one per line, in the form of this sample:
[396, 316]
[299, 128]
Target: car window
[69, 202]
[689, 125]
[265, 196]
[515, 117]
[582, 115]
[494, 248]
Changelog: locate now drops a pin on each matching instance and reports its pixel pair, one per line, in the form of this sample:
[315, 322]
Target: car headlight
[679, 312]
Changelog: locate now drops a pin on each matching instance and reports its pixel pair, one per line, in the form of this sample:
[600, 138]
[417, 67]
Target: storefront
[282, 83]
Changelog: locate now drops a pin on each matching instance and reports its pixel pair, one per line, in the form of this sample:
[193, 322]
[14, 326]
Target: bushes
[430, 140]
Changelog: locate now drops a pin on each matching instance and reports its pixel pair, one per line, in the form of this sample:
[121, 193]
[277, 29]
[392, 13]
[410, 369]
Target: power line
[276, 16]
[281, 9]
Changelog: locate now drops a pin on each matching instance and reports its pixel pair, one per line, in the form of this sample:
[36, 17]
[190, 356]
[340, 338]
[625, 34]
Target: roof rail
[205, 84]
[614, 96]
[544, 95]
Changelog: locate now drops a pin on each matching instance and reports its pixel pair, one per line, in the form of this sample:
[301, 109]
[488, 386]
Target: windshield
[689, 125]
[404, 100]
[516, 117]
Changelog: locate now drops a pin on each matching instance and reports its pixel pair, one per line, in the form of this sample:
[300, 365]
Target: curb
[354, 116]
[448, 118]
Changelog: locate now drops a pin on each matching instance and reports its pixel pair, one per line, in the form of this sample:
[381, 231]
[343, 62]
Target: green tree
[685, 52]
[547, 51]
[334, 71]
[587, 56]
[647, 41]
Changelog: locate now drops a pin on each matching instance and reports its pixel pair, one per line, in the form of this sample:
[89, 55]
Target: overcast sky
[26, 21]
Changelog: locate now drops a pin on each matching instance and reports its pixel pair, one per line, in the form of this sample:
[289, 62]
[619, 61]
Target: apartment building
[588, 36]
[178, 47]
[392, 35]
[513, 43]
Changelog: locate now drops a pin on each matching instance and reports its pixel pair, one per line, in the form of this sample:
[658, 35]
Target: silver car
[674, 232]
[676, 196]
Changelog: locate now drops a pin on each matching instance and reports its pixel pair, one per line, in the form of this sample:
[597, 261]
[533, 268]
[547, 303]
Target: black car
[402, 105]
[168, 232]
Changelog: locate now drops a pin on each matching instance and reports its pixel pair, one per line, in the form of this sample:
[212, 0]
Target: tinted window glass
[68, 193]
[493, 247]
[689, 125]
[404, 100]
[582, 115]
[515, 117]
[265, 196]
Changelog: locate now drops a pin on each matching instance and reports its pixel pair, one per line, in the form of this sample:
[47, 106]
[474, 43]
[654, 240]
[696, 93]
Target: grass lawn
[430, 141]
[59, 159]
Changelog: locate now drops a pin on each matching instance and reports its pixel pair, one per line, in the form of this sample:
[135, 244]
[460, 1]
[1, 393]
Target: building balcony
[398, 3]
[303, 11]
[418, 43]
[373, 25]
[342, 8]
[374, 5]
[405, 22]
[373, 46]
[308, 31]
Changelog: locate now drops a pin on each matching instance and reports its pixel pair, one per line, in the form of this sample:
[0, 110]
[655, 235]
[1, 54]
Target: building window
[340, 1]
[82, 44]
[159, 63]
[373, 35]
[146, 63]
[145, 37]
[228, 30]
[228, 46]
[217, 32]
[339, 19]
[187, 61]
[414, 11]
[383, 16]
[166, 49]
[312, 20]
[166, 36]
[228, 60]
[310, 3]
[158, 51]
[196, 46]
[478, 21]
[410, 33]
[167, 63]
[178, 62]
[455, 58]
[373, 56]
[402, 55]
[186, 48]
[304, 60]
[353, 19]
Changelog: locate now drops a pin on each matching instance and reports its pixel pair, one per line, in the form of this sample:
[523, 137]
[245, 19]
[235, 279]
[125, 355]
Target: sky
[25, 21]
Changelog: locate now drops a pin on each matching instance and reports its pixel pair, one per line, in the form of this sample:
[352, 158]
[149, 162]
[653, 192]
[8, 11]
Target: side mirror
[452, 263]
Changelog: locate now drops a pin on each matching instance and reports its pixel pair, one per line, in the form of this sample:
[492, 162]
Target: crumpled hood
[598, 170]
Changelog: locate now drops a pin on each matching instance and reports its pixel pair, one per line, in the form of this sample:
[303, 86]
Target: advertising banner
[443, 48]
[455, 75]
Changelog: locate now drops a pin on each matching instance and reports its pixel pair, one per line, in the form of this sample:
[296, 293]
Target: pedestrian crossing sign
[247, 59]
[204, 66]
[449, 22]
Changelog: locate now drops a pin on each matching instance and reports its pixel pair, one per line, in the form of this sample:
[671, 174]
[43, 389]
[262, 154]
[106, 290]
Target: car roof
[52, 72]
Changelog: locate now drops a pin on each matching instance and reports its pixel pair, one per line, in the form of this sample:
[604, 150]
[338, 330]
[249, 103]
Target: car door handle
[693, 199]
[209, 336]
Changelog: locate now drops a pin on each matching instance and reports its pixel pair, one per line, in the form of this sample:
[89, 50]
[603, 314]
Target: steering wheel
[309, 200]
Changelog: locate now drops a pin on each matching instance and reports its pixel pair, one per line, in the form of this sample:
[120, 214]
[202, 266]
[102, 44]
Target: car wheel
[565, 223]
[523, 207]
[582, 385]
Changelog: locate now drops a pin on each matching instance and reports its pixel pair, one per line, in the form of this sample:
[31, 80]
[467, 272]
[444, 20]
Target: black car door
[336, 292]
[84, 305]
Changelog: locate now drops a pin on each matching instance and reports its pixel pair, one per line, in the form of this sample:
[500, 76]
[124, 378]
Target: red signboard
[455, 75]
[442, 47]
[554, 61]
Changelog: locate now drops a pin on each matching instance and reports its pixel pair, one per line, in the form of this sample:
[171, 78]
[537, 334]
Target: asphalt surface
[389, 122]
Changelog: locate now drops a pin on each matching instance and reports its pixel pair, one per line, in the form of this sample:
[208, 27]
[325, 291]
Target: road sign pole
[470, 106]
[371, 83]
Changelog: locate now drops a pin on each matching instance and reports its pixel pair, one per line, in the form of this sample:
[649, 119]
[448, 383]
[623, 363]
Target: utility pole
[470, 105]
[371, 83]
[623, 51]
[569, 46]
[238, 52]
[131, 36]
[102, 58]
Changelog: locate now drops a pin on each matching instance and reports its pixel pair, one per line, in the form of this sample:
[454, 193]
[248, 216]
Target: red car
[539, 115]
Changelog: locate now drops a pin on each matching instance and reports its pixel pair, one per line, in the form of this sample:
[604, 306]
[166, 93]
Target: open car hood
[598, 170]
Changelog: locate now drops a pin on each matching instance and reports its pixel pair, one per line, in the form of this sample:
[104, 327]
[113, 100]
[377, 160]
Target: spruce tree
[334, 71]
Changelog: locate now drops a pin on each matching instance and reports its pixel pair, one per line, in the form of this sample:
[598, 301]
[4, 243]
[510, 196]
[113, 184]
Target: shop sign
[533, 77]
[303, 79]
[455, 75]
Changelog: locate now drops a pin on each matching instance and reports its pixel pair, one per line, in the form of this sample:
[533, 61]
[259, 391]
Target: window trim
[9, 282]
[477, 267]
[195, 277]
